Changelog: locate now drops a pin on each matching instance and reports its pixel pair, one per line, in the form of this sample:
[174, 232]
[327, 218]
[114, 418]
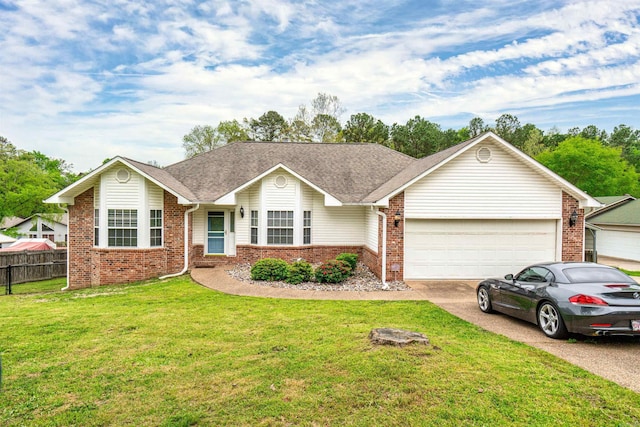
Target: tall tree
[363, 127]
[477, 127]
[321, 123]
[592, 167]
[200, 140]
[628, 139]
[270, 126]
[417, 138]
[27, 178]
[508, 128]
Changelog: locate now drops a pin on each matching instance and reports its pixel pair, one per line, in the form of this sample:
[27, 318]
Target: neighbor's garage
[473, 249]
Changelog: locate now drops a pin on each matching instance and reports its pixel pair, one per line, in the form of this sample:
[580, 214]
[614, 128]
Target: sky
[84, 81]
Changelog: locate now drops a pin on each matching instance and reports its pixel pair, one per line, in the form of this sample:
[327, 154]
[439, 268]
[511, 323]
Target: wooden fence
[31, 266]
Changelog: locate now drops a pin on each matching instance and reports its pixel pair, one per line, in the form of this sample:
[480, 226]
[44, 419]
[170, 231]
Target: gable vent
[123, 175]
[281, 181]
[483, 155]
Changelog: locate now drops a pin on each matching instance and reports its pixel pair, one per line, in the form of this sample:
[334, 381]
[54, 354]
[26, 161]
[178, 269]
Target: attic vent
[483, 155]
[123, 175]
[281, 181]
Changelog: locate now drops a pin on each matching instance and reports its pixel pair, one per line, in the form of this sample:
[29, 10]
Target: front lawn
[172, 353]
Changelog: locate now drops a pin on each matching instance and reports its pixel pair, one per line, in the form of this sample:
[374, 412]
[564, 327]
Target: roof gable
[427, 165]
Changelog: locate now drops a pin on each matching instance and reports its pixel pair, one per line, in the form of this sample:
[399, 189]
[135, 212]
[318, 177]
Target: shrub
[299, 271]
[332, 271]
[351, 259]
[271, 269]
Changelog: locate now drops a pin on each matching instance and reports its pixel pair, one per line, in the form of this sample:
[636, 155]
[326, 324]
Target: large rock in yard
[399, 337]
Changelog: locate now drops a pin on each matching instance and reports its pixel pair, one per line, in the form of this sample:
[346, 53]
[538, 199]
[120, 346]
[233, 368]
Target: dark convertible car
[567, 297]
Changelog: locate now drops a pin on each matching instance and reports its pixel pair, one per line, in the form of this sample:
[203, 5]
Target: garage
[473, 249]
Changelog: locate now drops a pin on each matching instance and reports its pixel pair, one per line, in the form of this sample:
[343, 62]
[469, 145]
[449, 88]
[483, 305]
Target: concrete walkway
[612, 358]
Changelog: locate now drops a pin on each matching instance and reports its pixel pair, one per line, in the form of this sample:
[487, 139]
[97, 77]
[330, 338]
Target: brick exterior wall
[80, 274]
[91, 266]
[395, 243]
[572, 237]
[249, 254]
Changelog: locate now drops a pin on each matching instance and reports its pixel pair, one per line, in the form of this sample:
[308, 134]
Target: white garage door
[473, 249]
[618, 244]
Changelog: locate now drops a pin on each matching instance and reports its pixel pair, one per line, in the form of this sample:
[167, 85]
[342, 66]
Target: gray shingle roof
[626, 214]
[348, 172]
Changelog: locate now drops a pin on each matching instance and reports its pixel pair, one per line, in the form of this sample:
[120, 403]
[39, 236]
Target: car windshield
[595, 275]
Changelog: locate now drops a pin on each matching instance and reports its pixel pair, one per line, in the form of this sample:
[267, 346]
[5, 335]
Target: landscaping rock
[398, 337]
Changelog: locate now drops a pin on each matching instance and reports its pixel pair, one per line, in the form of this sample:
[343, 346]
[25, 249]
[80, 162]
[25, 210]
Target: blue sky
[88, 80]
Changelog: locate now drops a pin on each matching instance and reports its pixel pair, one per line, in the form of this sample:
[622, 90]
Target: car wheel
[484, 300]
[550, 321]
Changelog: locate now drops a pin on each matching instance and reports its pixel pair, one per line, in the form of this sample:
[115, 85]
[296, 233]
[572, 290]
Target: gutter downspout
[68, 247]
[186, 243]
[385, 285]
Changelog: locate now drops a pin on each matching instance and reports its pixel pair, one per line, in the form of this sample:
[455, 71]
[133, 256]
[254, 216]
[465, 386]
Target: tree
[508, 127]
[592, 167]
[321, 123]
[231, 131]
[200, 140]
[477, 127]
[27, 178]
[270, 126]
[418, 138]
[363, 127]
[533, 145]
[628, 140]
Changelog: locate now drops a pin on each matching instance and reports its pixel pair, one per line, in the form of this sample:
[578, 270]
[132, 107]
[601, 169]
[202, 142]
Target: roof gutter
[383, 274]
[186, 243]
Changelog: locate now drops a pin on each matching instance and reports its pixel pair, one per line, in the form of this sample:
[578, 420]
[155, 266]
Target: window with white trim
[122, 227]
[96, 227]
[280, 227]
[306, 228]
[155, 227]
[254, 227]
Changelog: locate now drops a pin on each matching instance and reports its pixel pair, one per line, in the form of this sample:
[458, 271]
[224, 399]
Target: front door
[215, 233]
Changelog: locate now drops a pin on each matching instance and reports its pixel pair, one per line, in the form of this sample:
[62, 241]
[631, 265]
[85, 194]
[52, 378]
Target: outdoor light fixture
[396, 219]
[573, 219]
[241, 212]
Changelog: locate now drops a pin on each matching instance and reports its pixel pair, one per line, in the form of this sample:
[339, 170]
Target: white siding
[619, 244]
[122, 195]
[280, 197]
[344, 225]
[243, 224]
[199, 221]
[156, 196]
[371, 238]
[501, 188]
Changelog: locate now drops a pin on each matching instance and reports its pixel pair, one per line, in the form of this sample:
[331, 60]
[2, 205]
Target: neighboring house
[44, 226]
[479, 208]
[5, 240]
[614, 229]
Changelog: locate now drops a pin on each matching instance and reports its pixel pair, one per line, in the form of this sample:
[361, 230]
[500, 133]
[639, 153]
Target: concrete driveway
[613, 358]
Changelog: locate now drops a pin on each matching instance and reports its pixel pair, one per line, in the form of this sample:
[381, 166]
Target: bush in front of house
[270, 269]
[332, 271]
[349, 258]
[299, 271]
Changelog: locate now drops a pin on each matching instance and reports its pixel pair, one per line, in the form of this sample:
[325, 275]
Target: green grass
[173, 353]
[43, 286]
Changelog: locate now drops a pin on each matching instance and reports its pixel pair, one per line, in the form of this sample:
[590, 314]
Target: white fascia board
[230, 197]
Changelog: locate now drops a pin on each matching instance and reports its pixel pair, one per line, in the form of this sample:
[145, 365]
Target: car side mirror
[509, 277]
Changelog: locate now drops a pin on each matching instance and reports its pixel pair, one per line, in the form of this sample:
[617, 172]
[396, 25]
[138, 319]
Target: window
[306, 228]
[254, 227]
[280, 227]
[96, 227]
[122, 227]
[155, 227]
